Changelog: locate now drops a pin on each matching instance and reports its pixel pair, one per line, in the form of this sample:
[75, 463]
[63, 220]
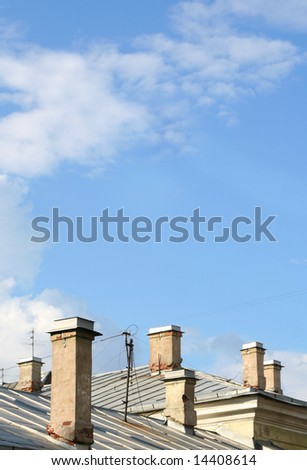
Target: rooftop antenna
[31, 341]
[129, 350]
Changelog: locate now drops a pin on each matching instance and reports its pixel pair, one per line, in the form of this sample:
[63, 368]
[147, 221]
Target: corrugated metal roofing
[146, 390]
[108, 389]
[23, 420]
[24, 416]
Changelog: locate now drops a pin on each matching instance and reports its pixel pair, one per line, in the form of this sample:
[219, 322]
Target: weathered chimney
[70, 418]
[30, 370]
[179, 406]
[272, 373]
[253, 371]
[165, 348]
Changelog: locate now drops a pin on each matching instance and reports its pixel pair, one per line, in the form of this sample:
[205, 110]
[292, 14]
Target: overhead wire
[249, 303]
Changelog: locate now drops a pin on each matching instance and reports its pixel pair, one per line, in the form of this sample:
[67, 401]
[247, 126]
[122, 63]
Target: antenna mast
[32, 341]
[129, 349]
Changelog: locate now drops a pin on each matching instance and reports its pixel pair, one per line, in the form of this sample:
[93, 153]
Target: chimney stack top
[179, 374]
[30, 359]
[273, 362]
[253, 344]
[162, 329]
[73, 323]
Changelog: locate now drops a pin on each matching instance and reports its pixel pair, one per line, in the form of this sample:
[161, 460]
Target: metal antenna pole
[32, 341]
[129, 349]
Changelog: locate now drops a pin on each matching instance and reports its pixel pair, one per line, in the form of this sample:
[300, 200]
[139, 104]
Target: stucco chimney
[180, 393]
[253, 371]
[70, 418]
[272, 373]
[165, 348]
[30, 370]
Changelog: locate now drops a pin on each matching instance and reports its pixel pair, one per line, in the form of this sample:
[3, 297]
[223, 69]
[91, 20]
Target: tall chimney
[253, 371]
[70, 418]
[30, 370]
[272, 373]
[180, 392]
[165, 348]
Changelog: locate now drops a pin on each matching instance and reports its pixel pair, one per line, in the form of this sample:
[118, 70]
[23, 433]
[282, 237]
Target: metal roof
[23, 420]
[147, 391]
[24, 416]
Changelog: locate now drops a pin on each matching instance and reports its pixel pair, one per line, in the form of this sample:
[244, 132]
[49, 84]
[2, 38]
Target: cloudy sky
[156, 108]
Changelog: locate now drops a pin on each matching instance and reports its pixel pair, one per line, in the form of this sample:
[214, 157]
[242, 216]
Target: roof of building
[24, 417]
[147, 391]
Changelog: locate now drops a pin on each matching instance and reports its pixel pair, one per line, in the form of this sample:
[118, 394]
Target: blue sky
[158, 108]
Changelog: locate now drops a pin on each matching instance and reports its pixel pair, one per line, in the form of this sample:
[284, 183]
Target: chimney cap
[253, 344]
[73, 323]
[273, 362]
[162, 329]
[30, 359]
[179, 374]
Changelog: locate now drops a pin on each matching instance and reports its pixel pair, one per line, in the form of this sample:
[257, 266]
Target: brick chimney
[165, 348]
[70, 418]
[179, 406]
[272, 373]
[253, 370]
[30, 370]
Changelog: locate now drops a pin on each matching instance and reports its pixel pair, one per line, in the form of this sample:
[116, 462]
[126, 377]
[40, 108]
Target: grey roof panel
[109, 388]
[24, 416]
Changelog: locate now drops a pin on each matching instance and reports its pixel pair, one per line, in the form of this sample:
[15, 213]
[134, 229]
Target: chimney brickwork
[70, 418]
[180, 393]
[253, 369]
[272, 372]
[30, 370]
[165, 348]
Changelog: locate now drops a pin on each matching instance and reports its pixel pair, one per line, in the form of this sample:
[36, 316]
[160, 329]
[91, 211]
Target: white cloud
[22, 313]
[279, 13]
[86, 107]
[219, 50]
[294, 373]
[282, 13]
[64, 108]
[214, 61]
